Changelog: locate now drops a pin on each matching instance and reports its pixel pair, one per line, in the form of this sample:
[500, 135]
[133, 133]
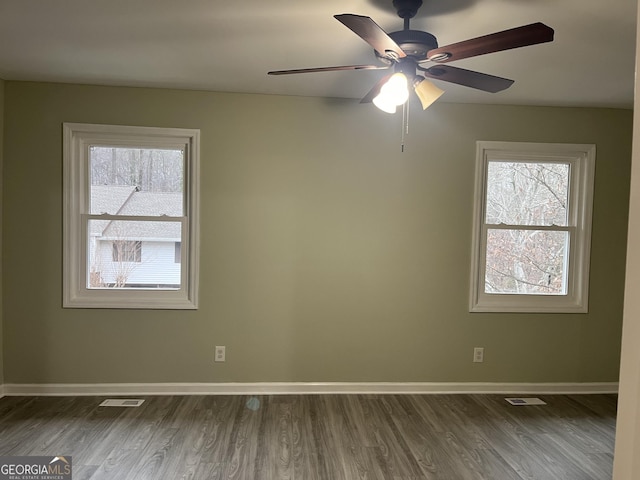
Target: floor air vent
[525, 401]
[122, 402]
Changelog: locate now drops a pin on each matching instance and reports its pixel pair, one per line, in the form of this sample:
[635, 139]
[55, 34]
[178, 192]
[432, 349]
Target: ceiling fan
[410, 52]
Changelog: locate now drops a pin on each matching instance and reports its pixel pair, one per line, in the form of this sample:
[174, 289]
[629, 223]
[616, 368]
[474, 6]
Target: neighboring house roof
[129, 201]
[153, 203]
[107, 199]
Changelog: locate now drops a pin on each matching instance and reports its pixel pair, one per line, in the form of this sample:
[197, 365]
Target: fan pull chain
[405, 124]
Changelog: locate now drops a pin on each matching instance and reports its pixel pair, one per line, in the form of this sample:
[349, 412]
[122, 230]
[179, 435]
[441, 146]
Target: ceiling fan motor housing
[414, 43]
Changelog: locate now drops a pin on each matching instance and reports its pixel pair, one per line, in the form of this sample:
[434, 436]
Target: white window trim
[581, 157]
[77, 138]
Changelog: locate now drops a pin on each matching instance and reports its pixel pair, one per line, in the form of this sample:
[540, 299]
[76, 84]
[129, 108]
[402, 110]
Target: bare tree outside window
[125, 254]
[127, 251]
[525, 254]
[151, 170]
[135, 182]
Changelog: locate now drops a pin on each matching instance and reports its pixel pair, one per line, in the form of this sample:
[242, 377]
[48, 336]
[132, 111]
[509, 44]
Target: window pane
[136, 181]
[133, 254]
[530, 262]
[527, 193]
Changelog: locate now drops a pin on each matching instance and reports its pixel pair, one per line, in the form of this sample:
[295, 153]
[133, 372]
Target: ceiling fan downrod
[407, 9]
[414, 43]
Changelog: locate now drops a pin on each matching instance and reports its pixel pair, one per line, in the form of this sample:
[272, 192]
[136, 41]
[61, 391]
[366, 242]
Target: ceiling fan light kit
[409, 52]
[393, 93]
[426, 91]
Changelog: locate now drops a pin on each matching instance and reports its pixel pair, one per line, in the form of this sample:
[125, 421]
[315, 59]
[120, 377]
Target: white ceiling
[230, 45]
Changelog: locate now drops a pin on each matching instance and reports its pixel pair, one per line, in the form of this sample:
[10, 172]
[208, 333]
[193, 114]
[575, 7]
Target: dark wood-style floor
[325, 437]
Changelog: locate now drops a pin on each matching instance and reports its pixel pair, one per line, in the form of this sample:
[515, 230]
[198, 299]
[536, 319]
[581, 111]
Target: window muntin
[131, 195]
[532, 227]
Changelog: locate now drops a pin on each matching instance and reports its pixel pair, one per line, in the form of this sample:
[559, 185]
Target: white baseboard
[290, 388]
[1, 390]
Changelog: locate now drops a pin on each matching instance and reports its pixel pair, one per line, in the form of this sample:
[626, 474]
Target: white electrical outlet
[220, 355]
[478, 354]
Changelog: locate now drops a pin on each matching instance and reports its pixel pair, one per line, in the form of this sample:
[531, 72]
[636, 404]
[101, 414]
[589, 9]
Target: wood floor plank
[218, 427]
[523, 436]
[130, 436]
[394, 457]
[318, 437]
[352, 442]
[23, 425]
[274, 452]
[330, 461]
[304, 450]
[242, 450]
[186, 445]
[432, 455]
[452, 450]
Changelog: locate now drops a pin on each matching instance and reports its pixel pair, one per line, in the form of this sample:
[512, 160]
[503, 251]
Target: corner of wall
[625, 461]
[1, 196]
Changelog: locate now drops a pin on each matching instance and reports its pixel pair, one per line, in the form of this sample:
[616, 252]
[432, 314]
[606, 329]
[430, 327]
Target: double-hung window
[130, 217]
[532, 227]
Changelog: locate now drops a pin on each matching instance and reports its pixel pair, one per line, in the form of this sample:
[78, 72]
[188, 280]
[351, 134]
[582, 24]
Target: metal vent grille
[121, 402]
[525, 401]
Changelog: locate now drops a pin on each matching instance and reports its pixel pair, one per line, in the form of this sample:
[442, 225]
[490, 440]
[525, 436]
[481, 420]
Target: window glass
[530, 262]
[520, 193]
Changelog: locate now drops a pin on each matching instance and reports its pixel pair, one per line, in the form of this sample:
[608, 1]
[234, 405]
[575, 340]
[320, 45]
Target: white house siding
[157, 265]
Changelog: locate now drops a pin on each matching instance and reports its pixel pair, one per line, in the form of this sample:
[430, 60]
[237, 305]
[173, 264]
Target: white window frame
[77, 140]
[581, 158]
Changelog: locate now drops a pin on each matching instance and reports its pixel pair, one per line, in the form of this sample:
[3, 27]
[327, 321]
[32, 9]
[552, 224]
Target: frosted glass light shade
[393, 93]
[427, 93]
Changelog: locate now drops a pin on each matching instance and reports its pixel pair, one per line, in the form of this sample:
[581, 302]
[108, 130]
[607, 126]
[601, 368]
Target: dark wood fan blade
[468, 78]
[368, 98]
[371, 33]
[495, 42]
[329, 69]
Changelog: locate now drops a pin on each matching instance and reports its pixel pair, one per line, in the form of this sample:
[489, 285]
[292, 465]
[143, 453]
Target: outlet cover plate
[220, 354]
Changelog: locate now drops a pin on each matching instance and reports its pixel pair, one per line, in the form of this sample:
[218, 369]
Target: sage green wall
[327, 254]
[1, 151]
